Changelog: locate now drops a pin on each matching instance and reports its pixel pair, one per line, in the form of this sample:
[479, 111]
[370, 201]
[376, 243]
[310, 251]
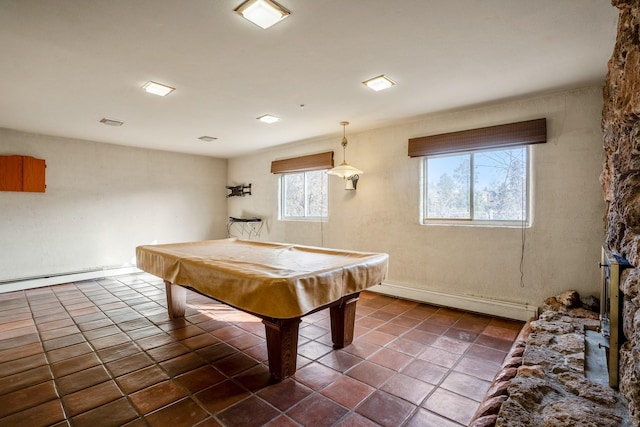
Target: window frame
[528, 199]
[306, 217]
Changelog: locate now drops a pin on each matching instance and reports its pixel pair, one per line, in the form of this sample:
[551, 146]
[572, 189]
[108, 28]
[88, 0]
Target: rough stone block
[530, 391]
[513, 414]
[491, 406]
[512, 362]
[498, 388]
[581, 386]
[590, 303]
[571, 412]
[630, 318]
[542, 355]
[552, 328]
[531, 371]
[552, 304]
[575, 362]
[486, 421]
[570, 299]
[518, 351]
[506, 374]
[630, 282]
[569, 343]
[629, 381]
[581, 314]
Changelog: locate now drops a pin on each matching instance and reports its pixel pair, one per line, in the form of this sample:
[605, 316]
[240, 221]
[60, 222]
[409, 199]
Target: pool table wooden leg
[176, 299]
[282, 346]
[343, 318]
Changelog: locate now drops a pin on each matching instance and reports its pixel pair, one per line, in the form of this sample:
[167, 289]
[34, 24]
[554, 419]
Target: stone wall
[551, 387]
[555, 375]
[621, 183]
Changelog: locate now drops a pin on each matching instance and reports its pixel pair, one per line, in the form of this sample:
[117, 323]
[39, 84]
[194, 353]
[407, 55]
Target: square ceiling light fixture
[158, 88]
[207, 138]
[111, 122]
[379, 83]
[268, 118]
[263, 13]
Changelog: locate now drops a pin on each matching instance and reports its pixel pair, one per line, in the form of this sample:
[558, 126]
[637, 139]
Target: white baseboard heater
[509, 310]
[57, 279]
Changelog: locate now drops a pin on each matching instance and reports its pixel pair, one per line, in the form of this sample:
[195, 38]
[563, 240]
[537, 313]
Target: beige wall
[101, 202]
[561, 248]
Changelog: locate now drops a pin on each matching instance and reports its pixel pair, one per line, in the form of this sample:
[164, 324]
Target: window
[480, 176]
[303, 185]
[303, 195]
[484, 186]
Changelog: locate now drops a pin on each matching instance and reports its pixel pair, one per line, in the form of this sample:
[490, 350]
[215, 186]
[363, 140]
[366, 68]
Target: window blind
[311, 162]
[501, 136]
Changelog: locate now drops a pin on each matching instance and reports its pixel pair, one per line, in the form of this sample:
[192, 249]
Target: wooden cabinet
[11, 173]
[22, 173]
[33, 176]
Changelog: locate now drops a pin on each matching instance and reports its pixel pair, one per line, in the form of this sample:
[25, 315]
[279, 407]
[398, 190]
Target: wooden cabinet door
[10, 173]
[33, 174]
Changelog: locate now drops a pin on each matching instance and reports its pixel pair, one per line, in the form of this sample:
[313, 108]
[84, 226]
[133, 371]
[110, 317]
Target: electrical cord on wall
[522, 254]
[322, 217]
[523, 227]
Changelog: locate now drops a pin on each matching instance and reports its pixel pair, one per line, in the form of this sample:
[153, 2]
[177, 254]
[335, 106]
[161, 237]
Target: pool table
[277, 282]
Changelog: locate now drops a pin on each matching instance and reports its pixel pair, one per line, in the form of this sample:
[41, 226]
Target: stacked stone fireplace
[621, 183]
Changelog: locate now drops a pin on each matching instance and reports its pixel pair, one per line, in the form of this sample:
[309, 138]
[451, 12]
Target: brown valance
[311, 162]
[501, 136]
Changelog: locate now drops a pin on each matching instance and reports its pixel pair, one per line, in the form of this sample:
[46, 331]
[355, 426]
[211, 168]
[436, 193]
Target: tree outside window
[304, 195]
[483, 186]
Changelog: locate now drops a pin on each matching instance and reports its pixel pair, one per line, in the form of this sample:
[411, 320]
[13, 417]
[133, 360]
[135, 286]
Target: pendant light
[345, 170]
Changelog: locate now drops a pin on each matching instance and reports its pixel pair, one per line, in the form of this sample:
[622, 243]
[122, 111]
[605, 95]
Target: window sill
[314, 219]
[476, 223]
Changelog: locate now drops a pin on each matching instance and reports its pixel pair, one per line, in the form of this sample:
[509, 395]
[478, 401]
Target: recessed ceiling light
[158, 88]
[268, 118]
[379, 83]
[206, 138]
[263, 13]
[111, 122]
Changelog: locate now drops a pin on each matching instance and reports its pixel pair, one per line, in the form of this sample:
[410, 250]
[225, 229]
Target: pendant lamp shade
[344, 169]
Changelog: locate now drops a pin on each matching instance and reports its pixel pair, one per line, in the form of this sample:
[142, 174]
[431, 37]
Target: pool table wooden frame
[282, 334]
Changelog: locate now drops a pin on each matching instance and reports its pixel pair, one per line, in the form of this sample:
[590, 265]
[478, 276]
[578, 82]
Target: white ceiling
[65, 64]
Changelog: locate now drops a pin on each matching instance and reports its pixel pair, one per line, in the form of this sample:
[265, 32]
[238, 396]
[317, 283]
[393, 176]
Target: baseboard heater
[20, 284]
[509, 310]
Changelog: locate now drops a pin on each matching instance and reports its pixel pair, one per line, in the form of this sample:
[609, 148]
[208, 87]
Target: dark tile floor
[104, 352]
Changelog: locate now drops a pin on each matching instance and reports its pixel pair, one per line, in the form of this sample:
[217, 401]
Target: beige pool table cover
[275, 280]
